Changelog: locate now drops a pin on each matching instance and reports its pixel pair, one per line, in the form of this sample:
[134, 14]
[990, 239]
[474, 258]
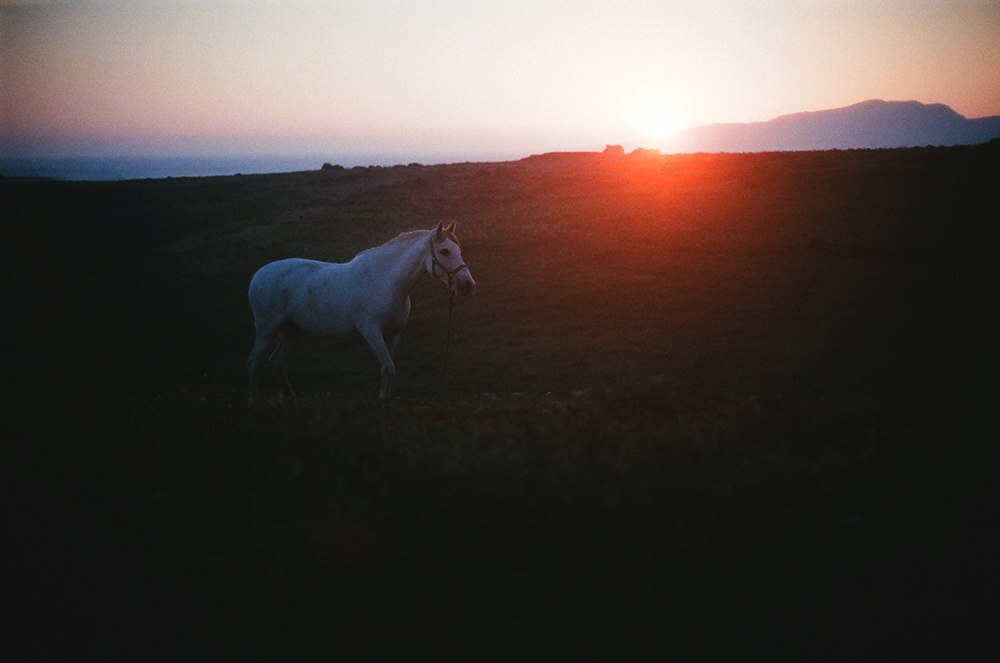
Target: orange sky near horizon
[472, 78]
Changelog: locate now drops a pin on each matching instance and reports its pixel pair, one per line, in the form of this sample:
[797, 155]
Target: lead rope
[447, 341]
[451, 307]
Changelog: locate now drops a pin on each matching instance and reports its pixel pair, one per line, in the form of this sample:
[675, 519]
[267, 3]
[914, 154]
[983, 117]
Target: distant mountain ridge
[869, 124]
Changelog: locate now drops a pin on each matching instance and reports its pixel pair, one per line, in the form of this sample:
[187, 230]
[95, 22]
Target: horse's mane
[405, 236]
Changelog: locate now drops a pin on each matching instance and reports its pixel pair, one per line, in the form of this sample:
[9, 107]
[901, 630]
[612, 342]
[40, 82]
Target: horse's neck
[400, 261]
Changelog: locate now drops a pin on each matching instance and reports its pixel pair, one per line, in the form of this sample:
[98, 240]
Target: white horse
[368, 296]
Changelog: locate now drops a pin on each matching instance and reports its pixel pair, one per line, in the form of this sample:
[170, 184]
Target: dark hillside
[724, 404]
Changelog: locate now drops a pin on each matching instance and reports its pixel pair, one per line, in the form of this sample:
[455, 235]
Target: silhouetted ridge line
[869, 124]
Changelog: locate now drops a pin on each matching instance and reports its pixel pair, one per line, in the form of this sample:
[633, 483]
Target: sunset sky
[473, 79]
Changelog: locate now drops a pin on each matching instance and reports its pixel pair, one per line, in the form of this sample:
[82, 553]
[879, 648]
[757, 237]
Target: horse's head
[444, 262]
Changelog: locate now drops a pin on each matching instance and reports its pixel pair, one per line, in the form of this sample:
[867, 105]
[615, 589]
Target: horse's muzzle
[465, 285]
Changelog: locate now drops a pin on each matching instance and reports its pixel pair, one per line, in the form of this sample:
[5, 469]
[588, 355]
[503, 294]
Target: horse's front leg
[373, 336]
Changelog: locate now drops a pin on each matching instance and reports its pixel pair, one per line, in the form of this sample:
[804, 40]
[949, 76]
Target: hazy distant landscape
[152, 166]
[727, 405]
[866, 125]
[872, 124]
[117, 167]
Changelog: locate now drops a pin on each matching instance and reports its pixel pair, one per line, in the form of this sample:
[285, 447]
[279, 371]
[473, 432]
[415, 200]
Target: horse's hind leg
[279, 357]
[265, 337]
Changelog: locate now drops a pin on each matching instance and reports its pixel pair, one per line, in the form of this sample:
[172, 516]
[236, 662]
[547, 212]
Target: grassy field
[711, 407]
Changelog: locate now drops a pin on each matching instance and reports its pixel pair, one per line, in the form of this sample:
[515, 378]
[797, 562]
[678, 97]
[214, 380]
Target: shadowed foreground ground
[712, 406]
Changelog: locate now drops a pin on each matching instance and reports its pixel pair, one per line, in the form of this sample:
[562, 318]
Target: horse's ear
[451, 229]
[440, 231]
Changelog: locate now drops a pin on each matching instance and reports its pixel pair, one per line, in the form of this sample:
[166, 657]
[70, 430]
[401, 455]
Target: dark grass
[714, 407]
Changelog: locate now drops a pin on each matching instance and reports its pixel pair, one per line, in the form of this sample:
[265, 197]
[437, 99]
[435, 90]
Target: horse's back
[306, 292]
[274, 281]
[283, 272]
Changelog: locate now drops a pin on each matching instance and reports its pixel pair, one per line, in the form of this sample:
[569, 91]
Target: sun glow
[652, 117]
[661, 125]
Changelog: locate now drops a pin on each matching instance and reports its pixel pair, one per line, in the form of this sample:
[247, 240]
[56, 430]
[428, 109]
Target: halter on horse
[450, 273]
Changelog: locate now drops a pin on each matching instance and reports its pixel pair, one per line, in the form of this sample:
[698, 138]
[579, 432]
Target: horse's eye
[446, 252]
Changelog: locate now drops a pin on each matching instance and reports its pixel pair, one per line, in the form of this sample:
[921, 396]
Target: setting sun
[662, 125]
[651, 116]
